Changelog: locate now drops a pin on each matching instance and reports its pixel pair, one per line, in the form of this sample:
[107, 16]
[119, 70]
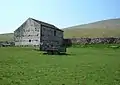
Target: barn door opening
[54, 32]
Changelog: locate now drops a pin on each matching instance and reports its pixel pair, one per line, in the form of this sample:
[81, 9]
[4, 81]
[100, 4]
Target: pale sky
[61, 13]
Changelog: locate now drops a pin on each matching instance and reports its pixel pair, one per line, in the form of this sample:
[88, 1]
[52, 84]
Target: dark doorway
[29, 40]
[54, 32]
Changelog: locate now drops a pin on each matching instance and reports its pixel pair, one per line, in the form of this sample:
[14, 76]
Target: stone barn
[39, 34]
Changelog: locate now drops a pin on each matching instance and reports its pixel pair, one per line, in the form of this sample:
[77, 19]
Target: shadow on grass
[61, 54]
[57, 54]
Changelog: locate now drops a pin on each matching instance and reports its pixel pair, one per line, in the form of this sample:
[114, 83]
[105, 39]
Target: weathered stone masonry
[39, 34]
[109, 40]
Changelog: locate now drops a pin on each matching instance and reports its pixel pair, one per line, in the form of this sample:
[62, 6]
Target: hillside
[6, 37]
[104, 28]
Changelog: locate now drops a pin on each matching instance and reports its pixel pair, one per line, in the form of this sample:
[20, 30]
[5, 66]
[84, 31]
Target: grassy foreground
[83, 66]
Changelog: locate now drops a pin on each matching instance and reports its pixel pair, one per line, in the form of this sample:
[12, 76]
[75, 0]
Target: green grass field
[82, 66]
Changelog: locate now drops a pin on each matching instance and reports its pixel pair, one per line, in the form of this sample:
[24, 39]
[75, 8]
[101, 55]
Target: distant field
[6, 37]
[83, 66]
[91, 32]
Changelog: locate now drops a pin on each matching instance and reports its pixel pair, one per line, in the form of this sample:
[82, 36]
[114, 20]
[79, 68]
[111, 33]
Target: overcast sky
[62, 13]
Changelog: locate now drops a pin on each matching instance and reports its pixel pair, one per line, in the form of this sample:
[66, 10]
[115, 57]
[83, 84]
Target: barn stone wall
[110, 40]
[50, 36]
[28, 33]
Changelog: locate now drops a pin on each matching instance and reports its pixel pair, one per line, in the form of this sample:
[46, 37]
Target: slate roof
[44, 23]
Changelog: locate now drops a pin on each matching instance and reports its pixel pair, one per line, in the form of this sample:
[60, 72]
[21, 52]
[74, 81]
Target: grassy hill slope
[104, 28]
[6, 37]
[91, 33]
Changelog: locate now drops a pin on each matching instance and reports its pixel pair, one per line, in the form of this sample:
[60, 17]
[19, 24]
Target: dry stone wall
[6, 43]
[110, 40]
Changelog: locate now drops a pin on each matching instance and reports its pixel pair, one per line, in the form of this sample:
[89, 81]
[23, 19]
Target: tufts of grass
[83, 66]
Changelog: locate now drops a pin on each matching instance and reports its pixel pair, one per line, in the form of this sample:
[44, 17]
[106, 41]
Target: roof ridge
[46, 23]
[42, 22]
